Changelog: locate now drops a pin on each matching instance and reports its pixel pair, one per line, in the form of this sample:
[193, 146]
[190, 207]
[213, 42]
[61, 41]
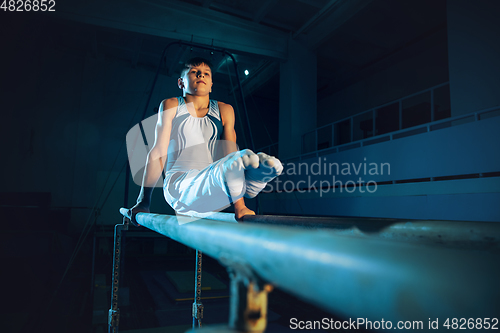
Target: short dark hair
[196, 61]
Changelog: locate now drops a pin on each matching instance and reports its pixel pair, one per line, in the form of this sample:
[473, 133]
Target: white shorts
[202, 191]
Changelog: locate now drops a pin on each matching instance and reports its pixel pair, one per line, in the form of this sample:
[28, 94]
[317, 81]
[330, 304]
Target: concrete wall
[298, 101]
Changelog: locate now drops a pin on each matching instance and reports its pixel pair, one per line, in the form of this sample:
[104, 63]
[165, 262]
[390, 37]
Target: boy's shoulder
[168, 107]
[169, 103]
[225, 107]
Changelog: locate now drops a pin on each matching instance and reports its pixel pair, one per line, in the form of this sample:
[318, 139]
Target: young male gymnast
[188, 132]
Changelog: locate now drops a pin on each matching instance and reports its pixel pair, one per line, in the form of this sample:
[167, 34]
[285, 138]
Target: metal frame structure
[356, 277]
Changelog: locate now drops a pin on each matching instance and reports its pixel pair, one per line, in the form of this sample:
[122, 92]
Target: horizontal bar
[462, 234]
[349, 276]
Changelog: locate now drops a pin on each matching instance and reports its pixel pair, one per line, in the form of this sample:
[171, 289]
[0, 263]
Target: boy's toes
[271, 162]
[278, 167]
[266, 160]
[250, 160]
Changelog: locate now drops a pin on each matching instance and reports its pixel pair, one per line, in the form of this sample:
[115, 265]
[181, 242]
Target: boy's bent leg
[211, 189]
[232, 173]
[259, 169]
[242, 173]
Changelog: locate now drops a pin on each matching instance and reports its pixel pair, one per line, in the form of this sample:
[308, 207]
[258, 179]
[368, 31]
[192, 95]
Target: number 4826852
[471, 323]
[28, 5]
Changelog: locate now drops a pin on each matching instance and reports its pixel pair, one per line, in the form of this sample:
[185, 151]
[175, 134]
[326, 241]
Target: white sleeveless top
[193, 140]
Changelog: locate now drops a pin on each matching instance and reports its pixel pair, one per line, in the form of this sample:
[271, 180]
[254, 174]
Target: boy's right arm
[157, 156]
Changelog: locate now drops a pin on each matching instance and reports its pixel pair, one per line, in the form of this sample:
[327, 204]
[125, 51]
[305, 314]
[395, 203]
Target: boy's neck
[199, 102]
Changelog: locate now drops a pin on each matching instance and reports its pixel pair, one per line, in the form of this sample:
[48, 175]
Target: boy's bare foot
[240, 210]
[239, 213]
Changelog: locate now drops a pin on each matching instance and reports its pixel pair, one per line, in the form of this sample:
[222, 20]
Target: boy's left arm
[229, 136]
[228, 132]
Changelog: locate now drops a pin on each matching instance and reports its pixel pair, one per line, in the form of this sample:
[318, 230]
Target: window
[309, 142]
[363, 126]
[325, 137]
[387, 119]
[442, 107]
[417, 110]
[343, 132]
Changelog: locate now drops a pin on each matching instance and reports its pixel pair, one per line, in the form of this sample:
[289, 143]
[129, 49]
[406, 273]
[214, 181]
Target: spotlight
[247, 72]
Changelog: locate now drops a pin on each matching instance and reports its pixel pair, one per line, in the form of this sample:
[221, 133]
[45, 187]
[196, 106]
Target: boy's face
[197, 80]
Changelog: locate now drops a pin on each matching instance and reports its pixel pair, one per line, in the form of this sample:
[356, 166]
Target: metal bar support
[248, 304]
[197, 305]
[374, 122]
[433, 116]
[351, 126]
[114, 311]
[400, 108]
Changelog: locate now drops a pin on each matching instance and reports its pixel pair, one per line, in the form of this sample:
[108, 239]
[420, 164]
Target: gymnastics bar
[452, 234]
[351, 277]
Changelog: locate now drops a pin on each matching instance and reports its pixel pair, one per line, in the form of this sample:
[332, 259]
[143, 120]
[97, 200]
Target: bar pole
[197, 305]
[114, 312]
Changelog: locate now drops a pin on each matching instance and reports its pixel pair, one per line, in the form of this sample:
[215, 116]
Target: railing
[407, 115]
[354, 277]
[272, 149]
[428, 127]
[409, 111]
